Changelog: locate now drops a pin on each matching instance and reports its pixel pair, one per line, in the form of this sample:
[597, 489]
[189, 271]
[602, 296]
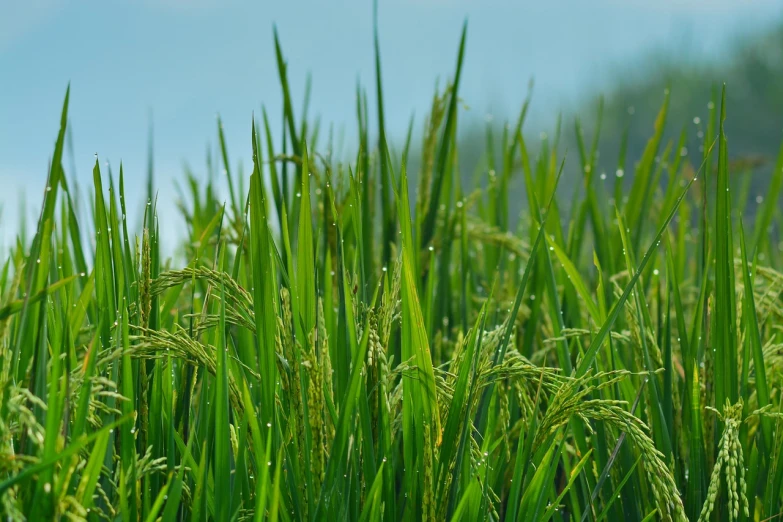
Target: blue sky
[186, 61]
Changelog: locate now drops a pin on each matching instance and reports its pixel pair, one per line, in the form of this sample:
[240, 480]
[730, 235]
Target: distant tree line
[752, 72]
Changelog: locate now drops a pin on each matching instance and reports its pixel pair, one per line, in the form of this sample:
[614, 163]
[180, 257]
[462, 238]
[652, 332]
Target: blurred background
[160, 71]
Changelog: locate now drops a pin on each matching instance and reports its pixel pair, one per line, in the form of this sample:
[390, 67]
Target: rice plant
[330, 343]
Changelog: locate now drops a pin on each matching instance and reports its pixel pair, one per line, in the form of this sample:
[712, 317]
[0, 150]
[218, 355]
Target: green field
[340, 339]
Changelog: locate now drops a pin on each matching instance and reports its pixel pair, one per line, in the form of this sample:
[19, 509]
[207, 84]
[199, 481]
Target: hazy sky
[186, 61]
